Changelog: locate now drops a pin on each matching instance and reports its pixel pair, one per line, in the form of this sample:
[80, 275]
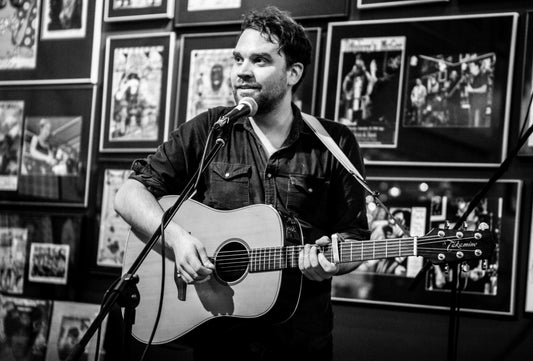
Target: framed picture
[48, 244]
[11, 121]
[137, 86]
[371, 4]
[13, 242]
[113, 230]
[56, 143]
[133, 10]
[205, 68]
[446, 80]
[64, 19]
[61, 47]
[487, 286]
[529, 286]
[210, 12]
[527, 89]
[24, 325]
[69, 322]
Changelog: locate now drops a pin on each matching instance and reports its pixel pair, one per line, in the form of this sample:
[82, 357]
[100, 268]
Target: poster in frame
[527, 87]
[372, 4]
[529, 286]
[446, 58]
[13, 247]
[137, 89]
[57, 136]
[69, 322]
[490, 290]
[113, 230]
[16, 314]
[64, 20]
[11, 122]
[64, 52]
[204, 74]
[119, 10]
[48, 232]
[211, 12]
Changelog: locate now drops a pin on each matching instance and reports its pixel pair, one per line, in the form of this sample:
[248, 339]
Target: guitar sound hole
[231, 261]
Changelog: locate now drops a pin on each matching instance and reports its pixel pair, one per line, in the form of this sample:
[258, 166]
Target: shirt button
[226, 175]
[310, 190]
[269, 175]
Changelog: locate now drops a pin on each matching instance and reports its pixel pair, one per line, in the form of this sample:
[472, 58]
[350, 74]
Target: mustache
[247, 86]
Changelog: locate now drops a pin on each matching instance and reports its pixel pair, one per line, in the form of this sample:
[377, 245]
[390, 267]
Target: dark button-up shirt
[302, 179]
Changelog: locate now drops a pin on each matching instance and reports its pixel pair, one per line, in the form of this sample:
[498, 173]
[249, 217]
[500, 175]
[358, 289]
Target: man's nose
[245, 70]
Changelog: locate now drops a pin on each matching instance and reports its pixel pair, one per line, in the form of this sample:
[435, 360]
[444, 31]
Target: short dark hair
[278, 26]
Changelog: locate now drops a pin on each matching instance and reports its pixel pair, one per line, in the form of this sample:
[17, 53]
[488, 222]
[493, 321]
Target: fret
[386, 245]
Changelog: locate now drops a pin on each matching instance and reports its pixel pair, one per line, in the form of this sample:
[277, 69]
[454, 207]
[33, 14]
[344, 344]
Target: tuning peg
[484, 264]
[446, 224]
[464, 226]
[446, 269]
[465, 267]
[483, 226]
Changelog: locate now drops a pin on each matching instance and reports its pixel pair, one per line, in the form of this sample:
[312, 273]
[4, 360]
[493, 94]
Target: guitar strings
[240, 259]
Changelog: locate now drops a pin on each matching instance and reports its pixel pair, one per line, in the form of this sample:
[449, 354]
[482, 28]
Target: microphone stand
[124, 291]
[453, 326]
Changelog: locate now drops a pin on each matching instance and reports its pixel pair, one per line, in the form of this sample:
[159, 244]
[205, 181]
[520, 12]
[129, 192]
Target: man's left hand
[313, 264]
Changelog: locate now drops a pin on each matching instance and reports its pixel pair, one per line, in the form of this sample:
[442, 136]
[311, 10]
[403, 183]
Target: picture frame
[56, 145]
[216, 12]
[44, 231]
[137, 90]
[372, 4]
[527, 87]
[14, 258]
[207, 58]
[529, 285]
[444, 68]
[57, 51]
[18, 313]
[113, 231]
[68, 324]
[489, 291]
[116, 10]
[62, 21]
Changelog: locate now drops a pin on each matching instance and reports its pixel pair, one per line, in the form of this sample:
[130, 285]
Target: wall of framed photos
[69, 76]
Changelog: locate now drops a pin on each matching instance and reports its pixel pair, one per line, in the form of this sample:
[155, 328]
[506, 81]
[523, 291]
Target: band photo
[49, 263]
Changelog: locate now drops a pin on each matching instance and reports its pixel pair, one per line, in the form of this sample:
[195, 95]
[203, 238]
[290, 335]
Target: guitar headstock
[449, 245]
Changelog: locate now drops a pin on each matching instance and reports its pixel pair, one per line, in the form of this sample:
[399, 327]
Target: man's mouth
[248, 86]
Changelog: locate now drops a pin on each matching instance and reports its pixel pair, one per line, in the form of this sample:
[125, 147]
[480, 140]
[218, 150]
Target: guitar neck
[278, 258]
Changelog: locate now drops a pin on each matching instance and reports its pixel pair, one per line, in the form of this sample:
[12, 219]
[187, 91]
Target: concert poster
[369, 87]
[210, 82]
[70, 321]
[24, 325]
[487, 284]
[49, 263]
[114, 230]
[11, 119]
[52, 146]
[64, 19]
[136, 84]
[450, 90]
[202, 5]
[13, 241]
[18, 40]
[454, 94]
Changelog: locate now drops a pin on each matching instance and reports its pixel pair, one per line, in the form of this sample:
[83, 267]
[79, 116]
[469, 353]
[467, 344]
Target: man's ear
[294, 73]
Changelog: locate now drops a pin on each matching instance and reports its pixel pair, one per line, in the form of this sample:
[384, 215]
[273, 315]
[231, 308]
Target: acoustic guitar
[255, 252]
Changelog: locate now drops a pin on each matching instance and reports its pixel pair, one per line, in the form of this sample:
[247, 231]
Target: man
[418, 100]
[477, 91]
[272, 158]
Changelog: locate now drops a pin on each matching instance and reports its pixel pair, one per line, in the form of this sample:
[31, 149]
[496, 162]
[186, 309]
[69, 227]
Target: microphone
[247, 106]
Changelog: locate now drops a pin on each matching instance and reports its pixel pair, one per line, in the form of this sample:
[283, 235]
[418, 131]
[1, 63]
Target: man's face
[259, 71]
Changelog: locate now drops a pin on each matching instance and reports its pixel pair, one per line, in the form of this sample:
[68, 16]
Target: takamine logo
[461, 245]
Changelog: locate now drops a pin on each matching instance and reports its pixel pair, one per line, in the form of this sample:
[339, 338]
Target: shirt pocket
[229, 186]
[307, 197]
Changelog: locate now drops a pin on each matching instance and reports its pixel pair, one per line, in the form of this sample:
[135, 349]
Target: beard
[266, 100]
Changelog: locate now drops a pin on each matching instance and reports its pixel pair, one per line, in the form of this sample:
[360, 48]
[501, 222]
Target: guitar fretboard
[277, 258]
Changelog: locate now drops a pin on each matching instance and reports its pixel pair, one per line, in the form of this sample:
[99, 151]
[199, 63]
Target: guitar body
[239, 293]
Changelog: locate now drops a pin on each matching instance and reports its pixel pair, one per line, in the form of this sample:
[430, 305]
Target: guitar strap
[324, 136]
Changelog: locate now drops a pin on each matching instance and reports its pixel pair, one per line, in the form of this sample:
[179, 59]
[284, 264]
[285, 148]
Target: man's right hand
[192, 262]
